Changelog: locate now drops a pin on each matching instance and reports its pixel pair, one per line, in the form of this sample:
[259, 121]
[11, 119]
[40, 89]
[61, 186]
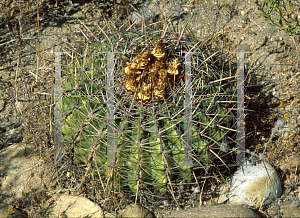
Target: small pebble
[243, 13]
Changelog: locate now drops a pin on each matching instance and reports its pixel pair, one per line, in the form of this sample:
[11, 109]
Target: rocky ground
[26, 112]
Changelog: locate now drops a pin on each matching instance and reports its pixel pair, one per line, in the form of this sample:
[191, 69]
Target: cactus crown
[150, 75]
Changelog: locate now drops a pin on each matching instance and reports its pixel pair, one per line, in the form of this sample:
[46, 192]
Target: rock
[289, 163]
[291, 208]
[75, 206]
[135, 210]
[137, 17]
[5, 212]
[286, 126]
[223, 191]
[251, 185]
[19, 174]
[10, 134]
[166, 8]
[223, 210]
[292, 212]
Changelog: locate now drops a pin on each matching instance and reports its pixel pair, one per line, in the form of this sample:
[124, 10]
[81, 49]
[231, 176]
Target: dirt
[26, 99]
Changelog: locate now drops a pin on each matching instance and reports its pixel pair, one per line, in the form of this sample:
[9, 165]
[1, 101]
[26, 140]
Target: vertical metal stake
[188, 112]
[240, 137]
[57, 111]
[110, 110]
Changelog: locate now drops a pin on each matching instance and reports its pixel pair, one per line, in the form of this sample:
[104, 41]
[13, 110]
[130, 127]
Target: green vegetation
[149, 139]
[287, 14]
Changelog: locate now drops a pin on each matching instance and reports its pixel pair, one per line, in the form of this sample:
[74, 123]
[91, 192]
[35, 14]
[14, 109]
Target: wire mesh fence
[149, 129]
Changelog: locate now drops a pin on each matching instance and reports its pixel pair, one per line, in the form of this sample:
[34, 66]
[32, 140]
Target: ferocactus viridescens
[150, 75]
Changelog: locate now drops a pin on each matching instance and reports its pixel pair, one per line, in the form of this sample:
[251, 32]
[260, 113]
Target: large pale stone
[76, 206]
[255, 185]
[135, 210]
[19, 174]
[223, 210]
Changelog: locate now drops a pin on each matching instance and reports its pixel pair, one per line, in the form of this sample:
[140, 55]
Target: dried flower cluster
[150, 75]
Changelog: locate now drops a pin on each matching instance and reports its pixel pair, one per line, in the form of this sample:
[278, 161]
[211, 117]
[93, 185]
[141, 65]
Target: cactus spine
[150, 148]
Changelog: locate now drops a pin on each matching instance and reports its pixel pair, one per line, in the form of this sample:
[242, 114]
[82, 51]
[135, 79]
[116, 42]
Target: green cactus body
[84, 129]
[86, 139]
[175, 144]
[158, 166]
[138, 160]
[150, 149]
[162, 159]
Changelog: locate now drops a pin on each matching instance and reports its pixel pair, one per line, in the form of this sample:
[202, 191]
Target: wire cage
[148, 119]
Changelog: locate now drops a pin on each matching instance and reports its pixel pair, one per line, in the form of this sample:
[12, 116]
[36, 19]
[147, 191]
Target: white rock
[75, 206]
[137, 17]
[135, 210]
[251, 185]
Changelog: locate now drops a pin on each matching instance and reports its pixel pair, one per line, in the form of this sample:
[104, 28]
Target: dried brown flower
[150, 75]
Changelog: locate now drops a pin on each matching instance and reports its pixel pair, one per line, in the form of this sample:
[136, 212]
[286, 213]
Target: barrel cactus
[149, 115]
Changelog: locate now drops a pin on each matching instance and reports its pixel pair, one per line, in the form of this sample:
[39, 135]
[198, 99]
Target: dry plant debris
[151, 75]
